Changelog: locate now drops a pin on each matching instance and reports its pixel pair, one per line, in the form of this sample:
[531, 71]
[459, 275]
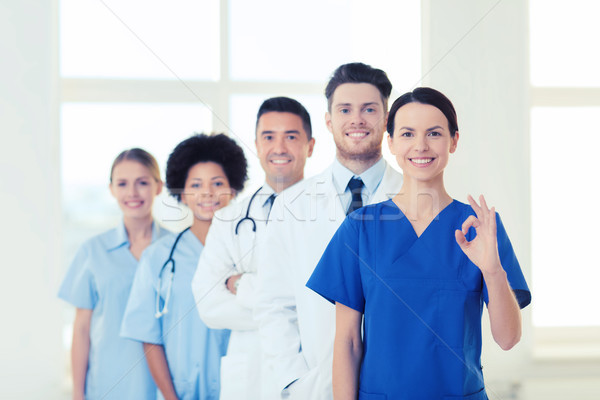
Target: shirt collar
[265, 192]
[120, 237]
[371, 177]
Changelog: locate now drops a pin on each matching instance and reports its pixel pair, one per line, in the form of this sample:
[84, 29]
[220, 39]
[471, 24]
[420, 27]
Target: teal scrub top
[193, 351]
[100, 279]
[422, 300]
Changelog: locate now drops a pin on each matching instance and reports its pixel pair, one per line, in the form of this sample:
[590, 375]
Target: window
[113, 39]
[150, 79]
[565, 91]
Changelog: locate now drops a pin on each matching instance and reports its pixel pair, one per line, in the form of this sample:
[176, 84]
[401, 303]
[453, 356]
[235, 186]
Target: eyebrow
[286, 132]
[371, 103]
[428, 129]
[138, 178]
[435, 127]
[213, 178]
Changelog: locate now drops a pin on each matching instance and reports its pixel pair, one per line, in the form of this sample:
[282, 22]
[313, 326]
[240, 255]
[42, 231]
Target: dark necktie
[355, 185]
[270, 201]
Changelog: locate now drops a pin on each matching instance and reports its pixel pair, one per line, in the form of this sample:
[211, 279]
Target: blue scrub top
[422, 300]
[100, 279]
[193, 350]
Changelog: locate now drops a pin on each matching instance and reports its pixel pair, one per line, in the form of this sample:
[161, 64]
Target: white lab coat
[226, 254]
[297, 326]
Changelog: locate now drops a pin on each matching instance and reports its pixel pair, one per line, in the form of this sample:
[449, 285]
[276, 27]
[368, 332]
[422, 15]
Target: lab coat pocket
[234, 376]
[371, 396]
[480, 395]
[458, 316]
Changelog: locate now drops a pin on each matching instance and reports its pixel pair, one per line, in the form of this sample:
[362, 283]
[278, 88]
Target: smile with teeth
[280, 161]
[421, 161]
[357, 135]
[133, 204]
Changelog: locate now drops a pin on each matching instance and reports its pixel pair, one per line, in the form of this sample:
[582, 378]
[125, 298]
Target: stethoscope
[159, 313]
[248, 217]
[170, 260]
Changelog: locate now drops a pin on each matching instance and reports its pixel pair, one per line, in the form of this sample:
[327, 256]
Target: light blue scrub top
[193, 350]
[421, 297]
[100, 279]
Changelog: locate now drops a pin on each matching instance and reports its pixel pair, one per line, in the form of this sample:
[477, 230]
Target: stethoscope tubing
[159, 313]
[248, 217]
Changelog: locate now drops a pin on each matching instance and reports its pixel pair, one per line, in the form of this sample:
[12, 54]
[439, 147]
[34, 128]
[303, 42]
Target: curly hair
[219, 149]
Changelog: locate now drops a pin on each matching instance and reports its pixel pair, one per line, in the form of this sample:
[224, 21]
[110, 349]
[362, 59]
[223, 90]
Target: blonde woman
[106, 366]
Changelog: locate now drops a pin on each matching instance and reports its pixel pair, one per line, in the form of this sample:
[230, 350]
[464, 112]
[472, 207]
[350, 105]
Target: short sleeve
[337, 275]
[79, 285]
[509, 262]
[139, 321]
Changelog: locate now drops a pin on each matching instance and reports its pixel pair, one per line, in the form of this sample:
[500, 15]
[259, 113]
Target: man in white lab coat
[224, 283]
[296, 325]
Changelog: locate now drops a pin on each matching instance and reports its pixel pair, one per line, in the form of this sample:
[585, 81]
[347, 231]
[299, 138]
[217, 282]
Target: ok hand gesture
[483, 249]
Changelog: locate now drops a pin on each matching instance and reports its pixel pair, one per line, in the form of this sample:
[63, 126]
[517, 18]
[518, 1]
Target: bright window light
[139, 39]
[93, 134]
[564, 43]
[306, 42]
[565, 233]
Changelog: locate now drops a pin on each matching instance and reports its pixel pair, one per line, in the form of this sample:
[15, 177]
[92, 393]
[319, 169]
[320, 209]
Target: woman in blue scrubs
[204, 173]
[419, 267]
[104, 365]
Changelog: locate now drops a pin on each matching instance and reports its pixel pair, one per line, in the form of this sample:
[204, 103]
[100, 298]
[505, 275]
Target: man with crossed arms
[224, 284]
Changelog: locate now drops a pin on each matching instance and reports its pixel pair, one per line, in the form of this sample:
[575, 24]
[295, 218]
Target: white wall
[30, 338]
[476, 53]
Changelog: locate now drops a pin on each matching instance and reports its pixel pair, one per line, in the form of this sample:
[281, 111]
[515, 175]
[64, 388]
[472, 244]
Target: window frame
[580, 344]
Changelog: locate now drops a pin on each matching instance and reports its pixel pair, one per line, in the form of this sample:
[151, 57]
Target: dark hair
[359, 73]
[219, 149]
[425, 95]
[285, 104]
[138, 155]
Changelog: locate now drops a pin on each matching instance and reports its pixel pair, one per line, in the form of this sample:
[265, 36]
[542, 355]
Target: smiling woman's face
[206, 190]
[422, 142]
[134, 188]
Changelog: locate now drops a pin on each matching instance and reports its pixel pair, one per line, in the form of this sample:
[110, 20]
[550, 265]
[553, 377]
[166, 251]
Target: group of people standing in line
[359, 282]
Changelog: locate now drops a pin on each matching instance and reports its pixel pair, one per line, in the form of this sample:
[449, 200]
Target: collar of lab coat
[390, 185]
[388, 188]
[237, 208]
[266, 191]
[321, 191]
